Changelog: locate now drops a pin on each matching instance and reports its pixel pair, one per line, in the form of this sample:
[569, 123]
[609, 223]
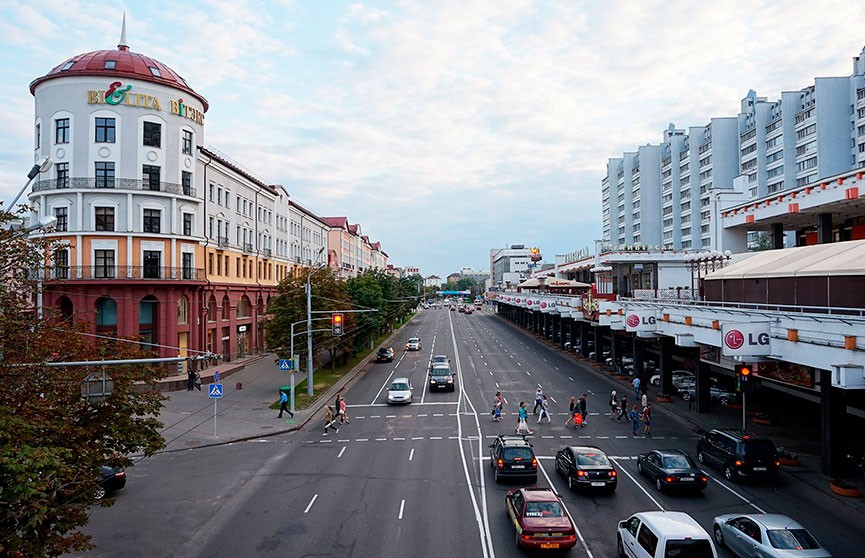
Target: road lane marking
[574, 523]
[411, 454]
[747, 501]
[311, 502]
[401, 508]
[640, 486]
[342, 451]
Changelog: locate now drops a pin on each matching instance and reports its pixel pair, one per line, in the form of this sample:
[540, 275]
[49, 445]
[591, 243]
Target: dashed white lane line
[411, 454]
[342, 451]
[311, 502]
[401, 508]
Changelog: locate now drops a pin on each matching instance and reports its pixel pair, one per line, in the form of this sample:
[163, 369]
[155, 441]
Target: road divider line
[311, 502]
[401, 508]
[411, 454]
[747, 501]
[342, 451]
[567, 511]
[639, 485]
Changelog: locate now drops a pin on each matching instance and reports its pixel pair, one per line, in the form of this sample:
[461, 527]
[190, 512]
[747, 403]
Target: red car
[540, 519]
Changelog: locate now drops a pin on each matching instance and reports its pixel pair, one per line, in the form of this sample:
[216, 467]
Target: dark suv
[512, 456]
[385, 354]
[739, 453]
[441, 377]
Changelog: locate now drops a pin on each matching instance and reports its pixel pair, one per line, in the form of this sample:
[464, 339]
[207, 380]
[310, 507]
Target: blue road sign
[216, 376]
[215, 391]
[285, 364]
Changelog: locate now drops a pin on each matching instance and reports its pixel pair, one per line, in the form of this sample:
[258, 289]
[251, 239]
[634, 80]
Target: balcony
[114, 184]
[124, 272]
[247, 247]
[222, 242]
[266, 253]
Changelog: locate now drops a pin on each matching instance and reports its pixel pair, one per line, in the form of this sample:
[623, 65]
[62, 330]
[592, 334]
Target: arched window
[211, 309]
[183, 310]
[106, 312]
[64, 309]
[243, 307]
[226, 308]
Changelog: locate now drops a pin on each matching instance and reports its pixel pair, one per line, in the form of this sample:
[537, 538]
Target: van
[739, 454]
[663, 534]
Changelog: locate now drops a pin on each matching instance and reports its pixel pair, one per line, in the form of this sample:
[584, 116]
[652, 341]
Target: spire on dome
[123, 46]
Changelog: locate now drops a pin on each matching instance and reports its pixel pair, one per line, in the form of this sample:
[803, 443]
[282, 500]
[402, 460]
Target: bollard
[238, 386]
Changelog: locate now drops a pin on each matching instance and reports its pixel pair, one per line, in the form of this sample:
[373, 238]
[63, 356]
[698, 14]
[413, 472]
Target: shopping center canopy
[553, 282]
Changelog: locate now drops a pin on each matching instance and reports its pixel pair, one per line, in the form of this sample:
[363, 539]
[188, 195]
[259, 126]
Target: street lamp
[316, 267]
[41, 166]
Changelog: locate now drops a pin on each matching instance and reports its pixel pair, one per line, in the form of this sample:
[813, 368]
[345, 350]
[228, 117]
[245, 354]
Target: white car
[661, 534]
[399, 391]
[678, 376]
[413, 344]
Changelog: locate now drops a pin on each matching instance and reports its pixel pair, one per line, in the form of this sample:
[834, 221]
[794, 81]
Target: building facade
[509, 266]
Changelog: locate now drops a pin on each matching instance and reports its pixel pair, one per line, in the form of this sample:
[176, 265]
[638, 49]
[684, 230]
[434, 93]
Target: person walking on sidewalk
[581, 405]
[635, 419]
[545, 410]
[329, 420]
[190, 379]
[539, 394]
[524, 415]
[283, 405]
[623, 409]
[197, 382]
[647, 420]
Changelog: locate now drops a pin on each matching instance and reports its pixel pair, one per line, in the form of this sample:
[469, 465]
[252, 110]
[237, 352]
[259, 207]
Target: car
[718, 395]
[540, 519]
[739, 454]
[766, 535]
[512, 456]
[462, 309]
[671, 469]
[111, 479]
[413, 344]
[438, 359]
[441, 377]
[453, 308]
[399, 391]
[678, 376]
[586, 467]
[385, 354]
[469, 310]
[663, 534]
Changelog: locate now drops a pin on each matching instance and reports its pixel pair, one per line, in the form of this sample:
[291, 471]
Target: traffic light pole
[743, 410]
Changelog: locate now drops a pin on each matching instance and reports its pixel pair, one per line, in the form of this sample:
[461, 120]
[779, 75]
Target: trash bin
[286, 390]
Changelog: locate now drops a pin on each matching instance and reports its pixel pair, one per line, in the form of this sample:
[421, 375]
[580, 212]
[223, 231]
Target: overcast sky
[445, 128]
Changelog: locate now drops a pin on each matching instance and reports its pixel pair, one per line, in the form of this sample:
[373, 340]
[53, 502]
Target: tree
[52, 440]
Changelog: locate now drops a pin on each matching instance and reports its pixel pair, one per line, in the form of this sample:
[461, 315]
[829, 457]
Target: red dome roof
[126, 64]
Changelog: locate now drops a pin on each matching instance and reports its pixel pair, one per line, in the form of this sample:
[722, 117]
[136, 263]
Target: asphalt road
[416, 480]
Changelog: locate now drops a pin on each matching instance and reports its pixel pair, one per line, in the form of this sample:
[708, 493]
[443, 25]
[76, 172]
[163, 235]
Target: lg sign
[735, 339]
[635, 321]
[746, 339]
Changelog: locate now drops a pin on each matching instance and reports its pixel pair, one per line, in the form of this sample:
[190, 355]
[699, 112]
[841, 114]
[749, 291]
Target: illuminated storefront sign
[117, 94]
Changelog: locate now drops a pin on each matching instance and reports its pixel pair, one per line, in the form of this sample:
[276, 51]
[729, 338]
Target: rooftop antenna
[123, 46]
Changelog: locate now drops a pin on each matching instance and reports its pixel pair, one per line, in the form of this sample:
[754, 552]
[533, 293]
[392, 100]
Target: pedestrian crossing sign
[285, 364]
[215, 391]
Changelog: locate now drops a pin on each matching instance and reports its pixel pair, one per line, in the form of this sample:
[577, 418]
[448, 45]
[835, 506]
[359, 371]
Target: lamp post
[41, 166]
[309, 359]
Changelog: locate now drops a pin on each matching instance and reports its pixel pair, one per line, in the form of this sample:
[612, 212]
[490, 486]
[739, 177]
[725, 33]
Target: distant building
[454, 278]
[433, 281]
[351, 252]
[509, 266]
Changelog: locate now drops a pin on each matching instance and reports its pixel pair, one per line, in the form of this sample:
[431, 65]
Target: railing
[785, 310]
[247, 248]
[125, 272]
[266, 252]
[222, 241]
[114, 184]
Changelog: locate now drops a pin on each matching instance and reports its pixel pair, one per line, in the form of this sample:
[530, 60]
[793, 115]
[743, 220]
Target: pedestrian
[636, 388]
[197, 381]
[539, 394]
[524, 415]
[635, 419]
[283, 405]
[190, 379]
[647, 420]
[545, 410]
[342, 411]
[329, 421]
[337, 408]
[498, 402]
[614, 405]
[572, 410]
[644, 400]
[581, 405]
[623, 409]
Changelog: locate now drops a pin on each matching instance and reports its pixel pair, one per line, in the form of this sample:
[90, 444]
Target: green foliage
[52, 441]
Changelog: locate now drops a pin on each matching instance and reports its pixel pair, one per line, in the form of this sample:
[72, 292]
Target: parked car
[413, 344]
[718, 395]
[385, 354]
[441, 377]
[663, 534]
[399, 391]
[739, 454]
[671, 469]
[111, 479]
[678, 376]
[586, 467]
[512, 456]
[540, 519]
[766, 535]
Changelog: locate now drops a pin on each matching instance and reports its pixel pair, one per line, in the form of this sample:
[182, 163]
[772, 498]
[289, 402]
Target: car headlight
[432, 381]
[450, 380]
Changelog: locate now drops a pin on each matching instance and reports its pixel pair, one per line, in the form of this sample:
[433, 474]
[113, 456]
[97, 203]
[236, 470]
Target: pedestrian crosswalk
[476, 438]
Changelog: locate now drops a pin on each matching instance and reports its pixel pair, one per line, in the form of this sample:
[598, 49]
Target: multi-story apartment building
[351, 252]
[309, 237]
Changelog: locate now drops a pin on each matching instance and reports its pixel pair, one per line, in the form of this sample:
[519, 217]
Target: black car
[385, 354]
[739, 453]
[512, 456]
[438, 359]
[586, 467]
[441, 377]
[671, 469]
[111, 478]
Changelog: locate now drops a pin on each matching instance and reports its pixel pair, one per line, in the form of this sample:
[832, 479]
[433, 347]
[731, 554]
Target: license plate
[599, 484]
[759, 468]
[686, 479]
[549, 545]
[518, 466]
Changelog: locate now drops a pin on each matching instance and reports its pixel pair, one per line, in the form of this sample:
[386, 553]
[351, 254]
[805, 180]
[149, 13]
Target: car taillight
[671, 479]
[738, 463]
[571, 537]
[777, 464]
[613, 473]
[501, 464]
[120, 474]
[703, 479]
[581, 473]
[534, 463]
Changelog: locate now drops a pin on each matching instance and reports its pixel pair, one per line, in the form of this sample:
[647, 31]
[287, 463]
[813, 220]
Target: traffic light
[744, 378]
[336, 324]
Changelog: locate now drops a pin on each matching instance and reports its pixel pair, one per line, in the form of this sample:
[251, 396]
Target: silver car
[769, 535]
[399, 391]
[413, 344]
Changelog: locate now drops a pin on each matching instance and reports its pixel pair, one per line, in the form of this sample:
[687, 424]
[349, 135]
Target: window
[103, 264]
[152, 263]
[187, 142]
[186, 182]
[110, 65]
[186, 266]
[187, 224]
[154, 71]
[62, 170]
[150, 175]
[806, 131]
[61, 264]
[151, 220]
[183, 310]
[104, 219]
[67, 66]
[152, 134]
[61, 130]
[104, 174]
[39, 136]
[62, 215]
[105, 130]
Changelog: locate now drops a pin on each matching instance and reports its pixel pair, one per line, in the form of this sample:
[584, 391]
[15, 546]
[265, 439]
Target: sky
[445, 128]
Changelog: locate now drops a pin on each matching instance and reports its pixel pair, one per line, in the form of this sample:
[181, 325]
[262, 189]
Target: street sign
[216, 376]
[285, 365]
[214, 391]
